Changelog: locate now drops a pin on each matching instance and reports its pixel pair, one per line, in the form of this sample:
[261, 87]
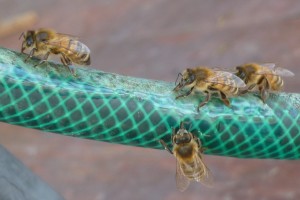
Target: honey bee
[188, 150]
[262, 78]
[43, 42]
[209, 81]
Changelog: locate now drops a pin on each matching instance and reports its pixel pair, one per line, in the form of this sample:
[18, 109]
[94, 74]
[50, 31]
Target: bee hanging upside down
[209, 81]
[262, 78]
[187, 150]
[43, 42]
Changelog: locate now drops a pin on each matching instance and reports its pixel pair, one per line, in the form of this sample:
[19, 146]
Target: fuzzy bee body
[189, 160]
[210, 81]
[262, 78]
[44, 42]
[187, 150]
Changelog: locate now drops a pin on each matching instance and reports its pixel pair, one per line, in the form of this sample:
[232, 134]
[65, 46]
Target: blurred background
[156, 39]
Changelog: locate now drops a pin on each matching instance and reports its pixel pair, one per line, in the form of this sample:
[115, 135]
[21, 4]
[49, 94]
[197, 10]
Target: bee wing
[67, 35]
[226, 78]
[269, 65]
[182, 182]
[272, 69]
[205, 177]
[65, 41]
[283, 72]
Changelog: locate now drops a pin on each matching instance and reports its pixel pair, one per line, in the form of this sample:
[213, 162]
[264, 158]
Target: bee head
[182, 136]
[241, 72]
[28, 40]
[187, 78]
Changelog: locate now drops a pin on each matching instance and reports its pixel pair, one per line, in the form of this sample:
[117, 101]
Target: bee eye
[29, 41]
[183, 139]
[189, 79]
[179, 75]
[241, 74]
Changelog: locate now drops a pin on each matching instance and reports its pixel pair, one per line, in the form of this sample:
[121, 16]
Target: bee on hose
[188, 150]
[209, 81]
[262, 78]
[43, 42]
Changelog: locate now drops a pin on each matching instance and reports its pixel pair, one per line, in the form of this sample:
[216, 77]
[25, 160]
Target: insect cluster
[187, 148]
[252, 77]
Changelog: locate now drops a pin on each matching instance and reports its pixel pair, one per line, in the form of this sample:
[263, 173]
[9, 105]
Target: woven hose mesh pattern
[125, 110]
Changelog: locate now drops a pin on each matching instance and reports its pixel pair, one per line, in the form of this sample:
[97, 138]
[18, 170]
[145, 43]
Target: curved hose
[133, 111]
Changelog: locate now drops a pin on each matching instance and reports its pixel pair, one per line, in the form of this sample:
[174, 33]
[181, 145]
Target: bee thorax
[184, 151]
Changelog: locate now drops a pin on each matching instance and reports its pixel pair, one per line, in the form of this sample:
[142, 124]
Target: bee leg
[201, 148]
[244, 92]
[264, 88]
[23, 48]
[31, 53]
[173, 133]
[224, 99]
[66, 62]
[198, 141]
[63, 60]
[44, 59]
[264, 95]
[248, 89]
[251, 87]
[208, 95]
[73, 72]
[165, 146]
[186, 94]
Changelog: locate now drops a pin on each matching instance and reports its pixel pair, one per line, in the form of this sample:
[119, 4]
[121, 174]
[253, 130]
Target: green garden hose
[133, 111]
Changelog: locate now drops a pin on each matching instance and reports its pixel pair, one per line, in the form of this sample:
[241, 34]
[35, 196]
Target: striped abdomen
[77, 52]
[74, 50]
[275, 82]
[227, 83]
[193, 170]
[232, 89]
[190, 162]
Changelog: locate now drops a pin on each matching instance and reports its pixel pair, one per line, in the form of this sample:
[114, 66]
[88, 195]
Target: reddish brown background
[156, 39]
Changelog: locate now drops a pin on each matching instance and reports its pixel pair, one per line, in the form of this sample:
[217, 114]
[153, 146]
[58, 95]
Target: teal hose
[138, 112]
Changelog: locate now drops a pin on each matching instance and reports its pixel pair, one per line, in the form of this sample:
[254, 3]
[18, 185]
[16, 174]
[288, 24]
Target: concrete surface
[157, 39]
[18, 183]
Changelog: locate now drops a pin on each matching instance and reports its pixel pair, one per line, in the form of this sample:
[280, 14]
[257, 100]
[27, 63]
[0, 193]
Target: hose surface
[133, 111]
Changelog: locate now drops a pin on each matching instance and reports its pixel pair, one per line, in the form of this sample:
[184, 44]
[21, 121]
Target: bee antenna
[179, 74]
[22, 35]
[182, 124]
[173, 130]
[190, 126]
